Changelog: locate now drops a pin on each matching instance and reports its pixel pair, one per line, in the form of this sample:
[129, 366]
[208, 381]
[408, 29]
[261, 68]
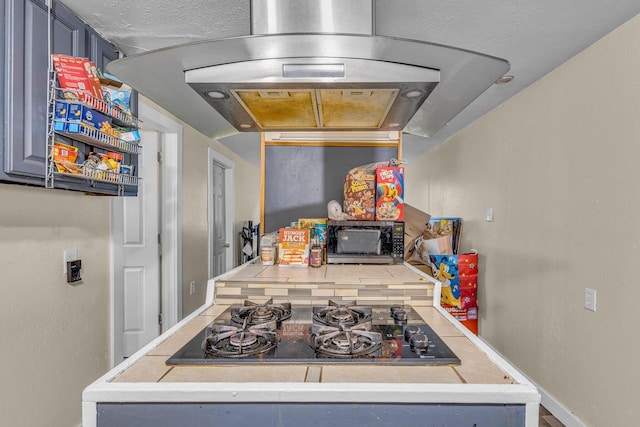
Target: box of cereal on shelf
[293, 247]
[389, 193]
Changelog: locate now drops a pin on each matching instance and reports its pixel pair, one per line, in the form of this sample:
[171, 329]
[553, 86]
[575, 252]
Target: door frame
[171, 225]
[230, 207]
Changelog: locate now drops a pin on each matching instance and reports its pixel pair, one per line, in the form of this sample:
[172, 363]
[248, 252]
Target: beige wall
[194, 209]
[560, 164]
[54, 337]
[195, 157]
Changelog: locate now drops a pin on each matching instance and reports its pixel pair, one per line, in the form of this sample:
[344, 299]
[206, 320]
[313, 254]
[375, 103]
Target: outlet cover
[69, 255]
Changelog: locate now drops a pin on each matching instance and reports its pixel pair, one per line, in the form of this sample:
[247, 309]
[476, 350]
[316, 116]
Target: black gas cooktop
[335, 334]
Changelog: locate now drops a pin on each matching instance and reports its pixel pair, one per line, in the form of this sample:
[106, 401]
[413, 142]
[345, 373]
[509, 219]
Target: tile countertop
[483, 377]
[476, 367]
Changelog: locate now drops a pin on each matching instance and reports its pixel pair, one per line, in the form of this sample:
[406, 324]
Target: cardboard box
[60, 116]
[415, 224]
[390, 193]
[76, 74]
[78, 113]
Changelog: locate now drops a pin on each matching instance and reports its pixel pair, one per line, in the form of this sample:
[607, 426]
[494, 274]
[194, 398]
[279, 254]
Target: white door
[222, 214]
[137, 282]
[220, 244]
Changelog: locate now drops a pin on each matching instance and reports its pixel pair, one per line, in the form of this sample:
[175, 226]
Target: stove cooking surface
[378, 339]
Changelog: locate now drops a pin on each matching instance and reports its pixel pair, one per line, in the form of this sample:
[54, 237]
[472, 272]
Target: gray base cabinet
[24, 65]
[309, 414]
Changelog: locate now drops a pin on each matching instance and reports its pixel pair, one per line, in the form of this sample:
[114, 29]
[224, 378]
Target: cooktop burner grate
[336, 314]
[237, 342]
[257, 314]
[344, 341]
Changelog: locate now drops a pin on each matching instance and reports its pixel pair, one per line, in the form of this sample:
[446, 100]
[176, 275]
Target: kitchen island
[483, 390]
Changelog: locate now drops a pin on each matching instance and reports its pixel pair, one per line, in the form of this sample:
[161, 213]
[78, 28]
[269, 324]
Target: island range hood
[312, 65]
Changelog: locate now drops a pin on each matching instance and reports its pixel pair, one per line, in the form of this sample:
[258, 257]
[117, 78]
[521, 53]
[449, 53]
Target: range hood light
[413, 94]
[507, 78]
[394, 125]
[245, 126]
[214, 94]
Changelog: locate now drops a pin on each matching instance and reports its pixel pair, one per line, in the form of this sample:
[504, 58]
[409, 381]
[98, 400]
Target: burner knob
[410, 331]
[400, 315]
[395, 308]
[419, 342]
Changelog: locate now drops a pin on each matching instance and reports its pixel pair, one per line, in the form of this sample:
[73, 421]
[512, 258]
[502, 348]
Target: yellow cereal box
[293, 247]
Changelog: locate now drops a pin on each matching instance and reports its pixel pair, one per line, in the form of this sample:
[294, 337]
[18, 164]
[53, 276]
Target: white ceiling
[534, 36]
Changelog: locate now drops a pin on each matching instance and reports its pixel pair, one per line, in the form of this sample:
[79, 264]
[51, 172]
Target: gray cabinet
[24, 67]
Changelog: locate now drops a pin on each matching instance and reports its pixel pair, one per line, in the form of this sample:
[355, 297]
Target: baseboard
[561, 412]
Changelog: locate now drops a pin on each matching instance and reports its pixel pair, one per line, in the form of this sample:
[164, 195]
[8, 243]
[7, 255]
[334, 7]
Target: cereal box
[293, 247]
[360, 195]
[390, 193]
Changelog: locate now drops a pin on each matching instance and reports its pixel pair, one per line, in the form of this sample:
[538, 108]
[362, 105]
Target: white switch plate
[590, 299]
[488, 216]
[69, 255]
[192, 288]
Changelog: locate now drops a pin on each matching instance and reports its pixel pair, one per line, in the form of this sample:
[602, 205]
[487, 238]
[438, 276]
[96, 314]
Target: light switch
[488, 216]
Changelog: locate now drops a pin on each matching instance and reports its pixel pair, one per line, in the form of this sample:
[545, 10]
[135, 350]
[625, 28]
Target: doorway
[146, 242]
[221, 213]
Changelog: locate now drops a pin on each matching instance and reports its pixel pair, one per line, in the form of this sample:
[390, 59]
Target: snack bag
[389, 193]
[459, 277]
[293, 247]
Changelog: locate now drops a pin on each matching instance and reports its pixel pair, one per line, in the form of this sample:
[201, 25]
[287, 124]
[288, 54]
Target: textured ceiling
[534, 36]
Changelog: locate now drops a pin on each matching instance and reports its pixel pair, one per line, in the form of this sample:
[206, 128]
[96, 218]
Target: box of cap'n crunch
[389, 193]
[293, 247]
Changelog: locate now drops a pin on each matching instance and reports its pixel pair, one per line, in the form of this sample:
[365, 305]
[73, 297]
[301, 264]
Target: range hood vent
[314, 93]
[312, 65]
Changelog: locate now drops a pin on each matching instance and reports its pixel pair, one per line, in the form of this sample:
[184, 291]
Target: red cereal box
[390, 193]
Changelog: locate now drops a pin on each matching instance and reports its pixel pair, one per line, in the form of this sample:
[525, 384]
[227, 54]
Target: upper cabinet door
[26, 59]
[100, 52]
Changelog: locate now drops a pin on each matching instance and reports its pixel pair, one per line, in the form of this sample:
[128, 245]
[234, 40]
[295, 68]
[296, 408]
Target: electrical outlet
[590, 299]
[192, 288]
[69, 255]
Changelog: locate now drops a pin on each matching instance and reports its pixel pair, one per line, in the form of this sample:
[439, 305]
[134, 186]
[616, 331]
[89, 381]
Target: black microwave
[365, 242]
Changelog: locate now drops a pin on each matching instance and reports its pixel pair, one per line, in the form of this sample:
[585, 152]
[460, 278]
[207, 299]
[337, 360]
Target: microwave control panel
[398, 242]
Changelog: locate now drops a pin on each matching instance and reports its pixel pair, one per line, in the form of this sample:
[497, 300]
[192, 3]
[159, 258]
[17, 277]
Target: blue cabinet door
[25, 63]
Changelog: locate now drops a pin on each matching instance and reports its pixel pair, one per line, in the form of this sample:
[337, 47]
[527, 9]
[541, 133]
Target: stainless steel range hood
[313, 65]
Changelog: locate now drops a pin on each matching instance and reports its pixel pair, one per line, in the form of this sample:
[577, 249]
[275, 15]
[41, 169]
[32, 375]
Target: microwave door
[359, 242]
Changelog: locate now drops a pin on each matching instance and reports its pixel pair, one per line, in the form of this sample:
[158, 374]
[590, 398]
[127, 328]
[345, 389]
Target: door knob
[226, 245]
